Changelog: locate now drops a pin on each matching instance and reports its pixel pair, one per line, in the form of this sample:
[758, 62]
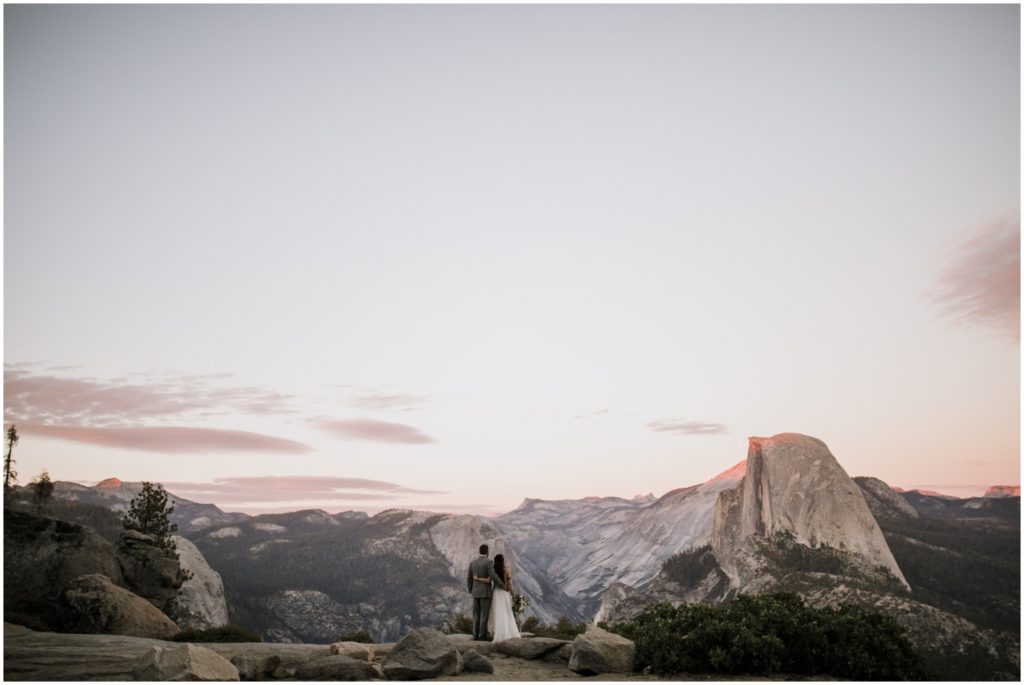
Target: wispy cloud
[168, 439]
[269, 489]
[395, 401]
[688, 427]
[119, 413]
[979, 285]
[374, 431]
[57, 399]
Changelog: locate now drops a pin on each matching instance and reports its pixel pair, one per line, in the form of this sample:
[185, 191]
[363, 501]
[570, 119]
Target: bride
[502, 621]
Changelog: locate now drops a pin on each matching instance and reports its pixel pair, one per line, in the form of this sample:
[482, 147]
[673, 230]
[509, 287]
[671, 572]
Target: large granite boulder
[44, 656]
[354, 650]
[423, 653]
[93, 604]
[252, 667]
[474, 662]
[529, 647]
[183, 662]
[41, 556]
[201, 603]
[598, 651]
[150, 571]
[336, 667]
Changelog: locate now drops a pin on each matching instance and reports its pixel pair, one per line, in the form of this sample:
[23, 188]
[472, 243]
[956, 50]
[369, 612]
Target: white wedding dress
[502, 621]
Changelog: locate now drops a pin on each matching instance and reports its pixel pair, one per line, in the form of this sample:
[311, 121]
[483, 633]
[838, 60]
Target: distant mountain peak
[640, 497]
[926, 493]
[110, 484]
[1003, 491]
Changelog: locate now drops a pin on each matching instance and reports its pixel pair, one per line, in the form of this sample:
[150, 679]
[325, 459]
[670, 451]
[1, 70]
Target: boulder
[201, 603]
[473, 662]
[354, 650]
[284, 673]
[423, 653]
[529, 647]
[150, 571]
[560, 655]
[336, 667]
[598, 651]
[252, 667]
[183, 662]
[45, 656]
[41, 556]
[267, 660]
[92, 604]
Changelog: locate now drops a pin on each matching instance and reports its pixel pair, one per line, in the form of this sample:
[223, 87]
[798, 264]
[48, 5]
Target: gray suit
[482, 567]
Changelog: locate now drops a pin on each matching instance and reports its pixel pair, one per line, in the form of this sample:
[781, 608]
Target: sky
[450, 257]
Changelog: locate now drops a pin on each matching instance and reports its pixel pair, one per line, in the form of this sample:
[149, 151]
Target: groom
[482, 567]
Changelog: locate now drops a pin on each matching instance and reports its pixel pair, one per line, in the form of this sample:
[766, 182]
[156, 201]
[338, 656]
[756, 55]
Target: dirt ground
[511, 669]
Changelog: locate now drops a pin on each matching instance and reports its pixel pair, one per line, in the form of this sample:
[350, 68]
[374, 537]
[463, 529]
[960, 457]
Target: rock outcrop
[529, 647]
[92, 604]
[201, 603]
[474, 662]
[597, 651]
[150, 571]
[41, 556]
[336, 667]
[422, 654]
[183, 662]
[793, 486]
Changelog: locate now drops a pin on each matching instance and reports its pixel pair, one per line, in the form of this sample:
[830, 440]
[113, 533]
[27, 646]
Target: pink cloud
[375, 431]
[43, 398]
[292, 489]
[169, 439]
[980, 283]
[688, 427]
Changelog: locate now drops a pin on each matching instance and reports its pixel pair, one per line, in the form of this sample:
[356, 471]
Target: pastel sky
[448, 257]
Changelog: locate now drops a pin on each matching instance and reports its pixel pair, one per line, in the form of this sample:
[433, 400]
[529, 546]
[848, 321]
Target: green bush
[563, 630]
[227, 633]
[357, 636]
[775, 633]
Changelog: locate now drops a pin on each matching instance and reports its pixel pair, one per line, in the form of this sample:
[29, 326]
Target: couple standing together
[491, 586]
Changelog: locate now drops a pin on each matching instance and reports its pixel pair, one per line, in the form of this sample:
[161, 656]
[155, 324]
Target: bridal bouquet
[519, 603]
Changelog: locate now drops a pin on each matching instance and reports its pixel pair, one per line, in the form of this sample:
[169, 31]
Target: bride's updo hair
[499, 565]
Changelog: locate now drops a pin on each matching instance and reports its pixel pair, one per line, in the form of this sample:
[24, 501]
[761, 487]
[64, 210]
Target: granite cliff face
[584, 546]
[201, 603]
[794, 487]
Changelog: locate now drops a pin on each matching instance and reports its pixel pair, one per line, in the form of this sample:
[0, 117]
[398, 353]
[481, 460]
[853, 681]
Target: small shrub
[460, 624]
[563, 630]
[359, 636]
[227, 633]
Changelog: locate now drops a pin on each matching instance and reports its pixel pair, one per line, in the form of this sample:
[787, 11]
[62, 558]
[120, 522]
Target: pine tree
[149, 514]
[10, 475]
[42, 490]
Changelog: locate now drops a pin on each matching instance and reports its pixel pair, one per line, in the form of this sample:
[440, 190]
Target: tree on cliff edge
[149, 514]
[10, 475]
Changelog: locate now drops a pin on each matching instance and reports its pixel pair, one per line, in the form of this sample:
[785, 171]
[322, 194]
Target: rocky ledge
[422, 654]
